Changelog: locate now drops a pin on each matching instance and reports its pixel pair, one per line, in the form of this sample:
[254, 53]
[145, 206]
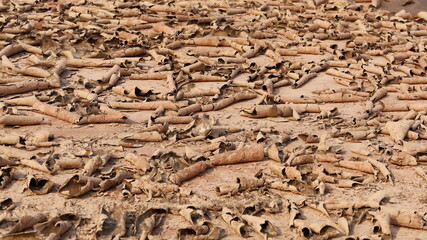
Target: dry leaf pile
[212, 119]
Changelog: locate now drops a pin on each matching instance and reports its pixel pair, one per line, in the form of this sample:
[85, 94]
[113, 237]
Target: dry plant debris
[295, 119]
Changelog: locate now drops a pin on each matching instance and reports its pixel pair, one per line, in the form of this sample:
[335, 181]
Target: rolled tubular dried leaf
[197, 92]
[78, 185]
[11, 50]
[361, 166]
[336, 73]
[152, 136]
[139, 162]
[27, 222]
[262, 111]
[197, 77]
[234, 222]
[70, 163]
[225, 102]
[309, 50]
[193, 108]
[57, 112]
[304, 79]
[143, 105]
[39, 185]
[20, 120]
[118, 177]
[9, 139]
[174, 119]
[107, 76]
[7, 162]
[261, 225]
[102, 118]
[134, 91]
[249, 153]
[22, 87]
[190, 172]
[150, 76]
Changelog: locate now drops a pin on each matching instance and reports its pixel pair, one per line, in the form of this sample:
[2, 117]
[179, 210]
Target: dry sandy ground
[351, 203]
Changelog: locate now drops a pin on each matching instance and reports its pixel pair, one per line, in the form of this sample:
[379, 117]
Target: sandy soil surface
[213, 120]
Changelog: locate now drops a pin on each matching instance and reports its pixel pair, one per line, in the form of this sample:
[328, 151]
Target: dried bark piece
[143, 105]
[7, 162]
[174, 119]
[150, 76]
[356, 165]
[304, 79]
[10, 152]
[27, 222]
[284, 186]
[329, 157]
[261, 225]
[22, 87]
[309, 138]
[345, 183]
[86, 95]
[249, 183]
[339, 98]
[152, 136]
[7, 204]
[25, 101]
[206, 230]
[117, 177]
[421, 173]
[301, 160]
[153, 189]
[308, 228]
[403, 159]
[275, 154]
[9, 139]
[383, 223]
[135, 92]
[30, 71]
[193, 108]
[235, 222]
[286, 172]
[30, 48]
[138, 161]
[57, 112]
[336, 73]
[39, 185]
[404, 217]
[190, 172]
[6, 175]
[262, 111]
[88, 62]
[192, 214]
[229, 189]
[103, 118]
[196, 92]
[192, 232]
[197, 77]
[11, 49]
[69, 163]
[77, 185]
[148, 221]
[59, 228]
[225, 102]
[92, 166]
[399, 129]
[382, 168]
[246, 154]
[268, 86]
[34, 164]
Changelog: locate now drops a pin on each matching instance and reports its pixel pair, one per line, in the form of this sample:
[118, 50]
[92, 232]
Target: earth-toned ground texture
[213, 119]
